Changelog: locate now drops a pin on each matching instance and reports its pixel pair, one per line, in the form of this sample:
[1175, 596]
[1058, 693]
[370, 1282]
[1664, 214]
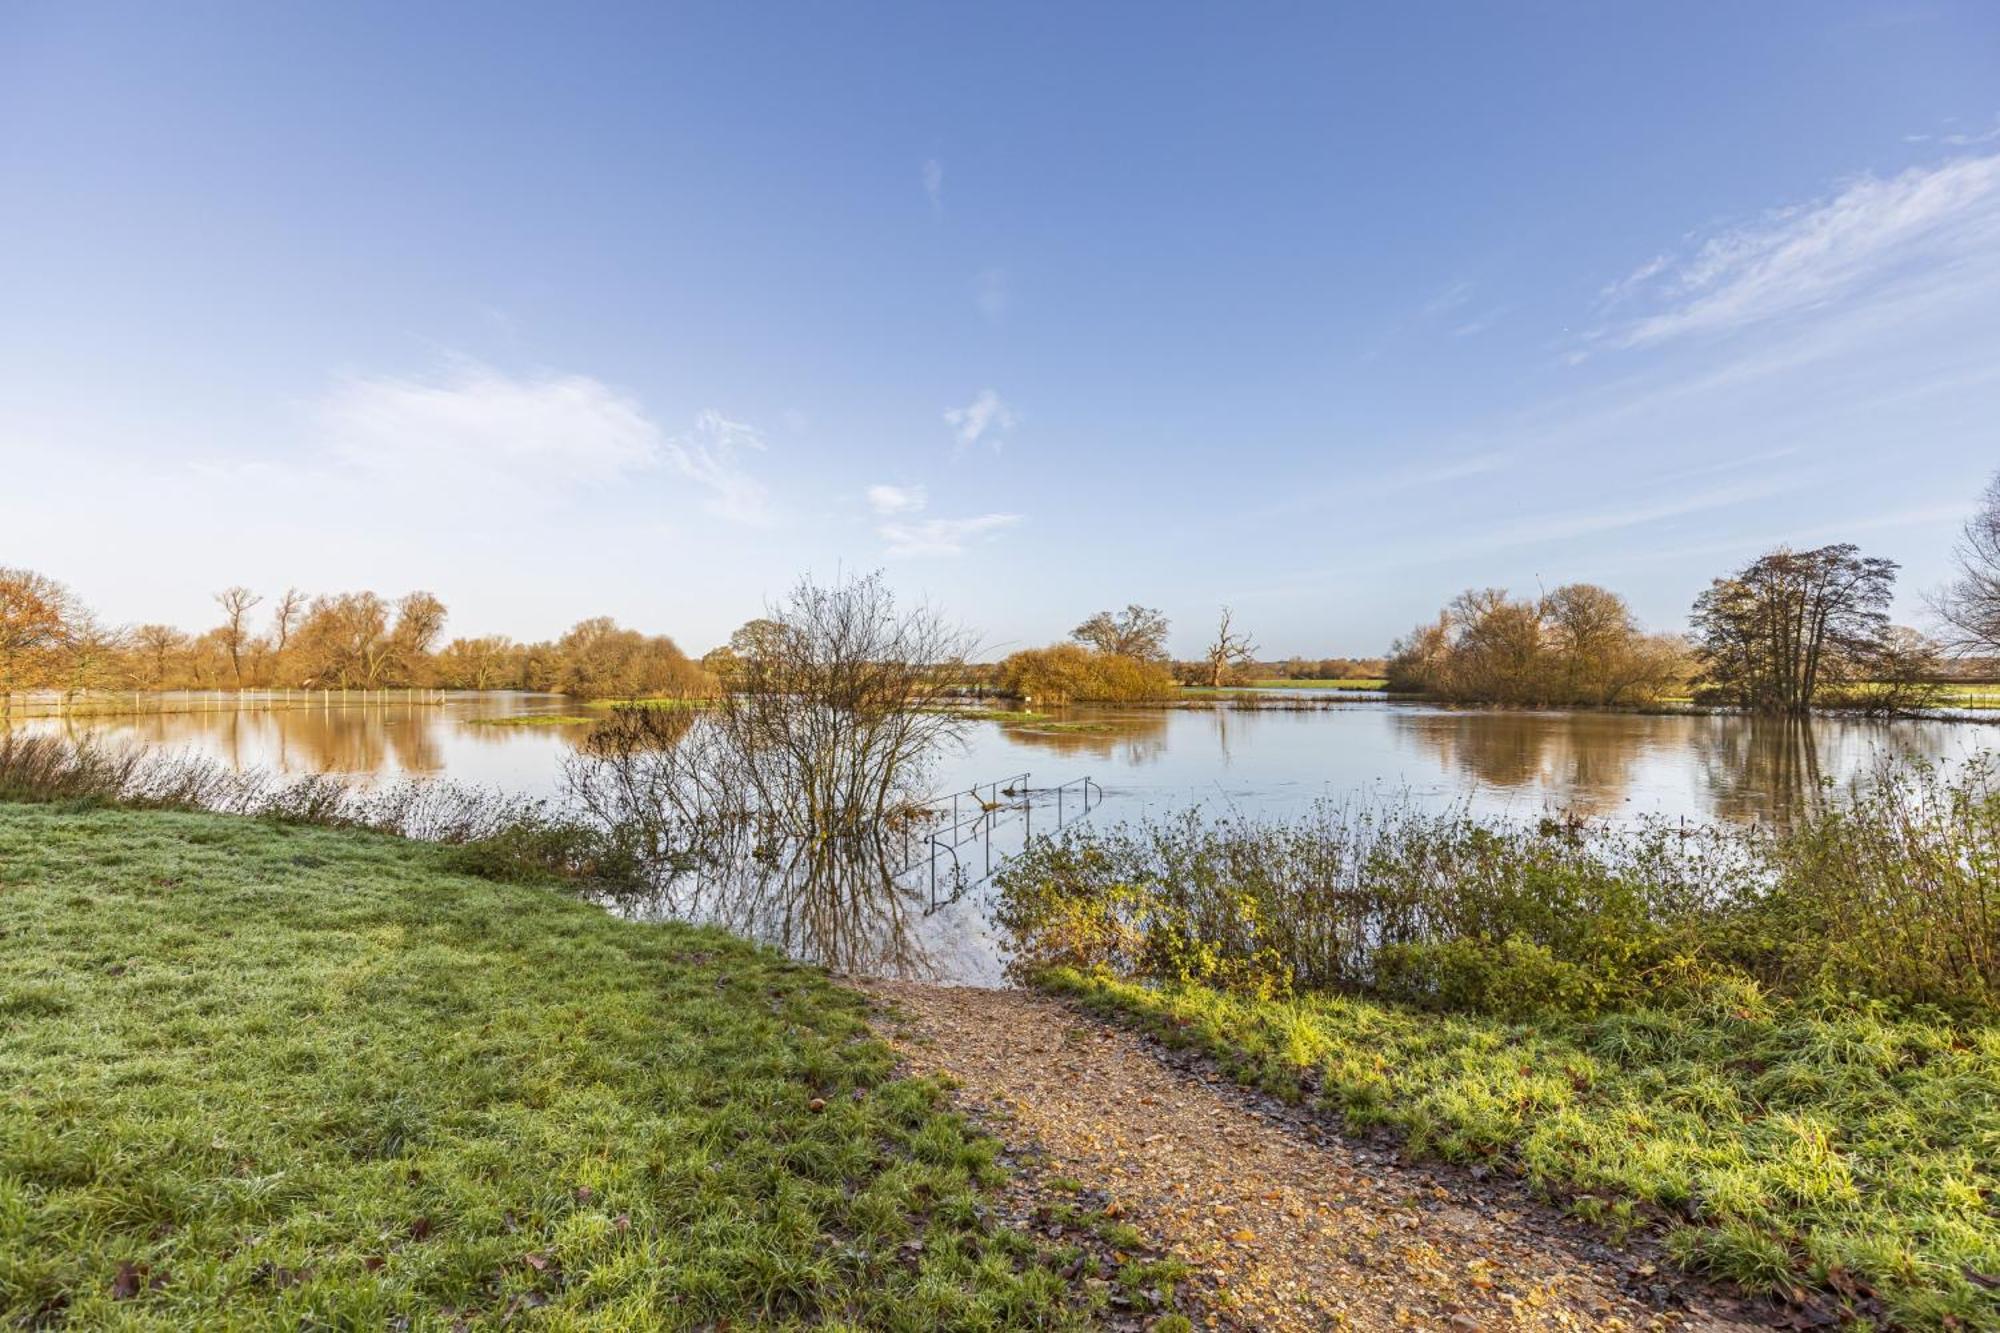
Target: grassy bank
[1781, 1045]
[1334, 683]
[273, 1075]
[1845, 1149]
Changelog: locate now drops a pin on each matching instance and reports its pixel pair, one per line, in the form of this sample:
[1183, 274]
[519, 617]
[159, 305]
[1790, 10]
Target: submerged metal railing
[1072, 799]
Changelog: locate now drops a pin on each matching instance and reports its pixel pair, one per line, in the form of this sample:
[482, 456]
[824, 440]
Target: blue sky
[1326, 313]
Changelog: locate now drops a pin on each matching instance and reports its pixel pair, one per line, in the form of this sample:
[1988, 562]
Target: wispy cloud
[480, 428]
[1869, 236]
[934, 185]
[1589, 521]
[710, 456]
[1958, 138]
[904, 534]
[985, 420]
[479, 420]
[896, 499]
[1451, 298]
[941, 536]
[1478, 323]
[993, 294]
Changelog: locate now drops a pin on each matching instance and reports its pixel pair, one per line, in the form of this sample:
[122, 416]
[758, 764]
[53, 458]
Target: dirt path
[1303, 1229]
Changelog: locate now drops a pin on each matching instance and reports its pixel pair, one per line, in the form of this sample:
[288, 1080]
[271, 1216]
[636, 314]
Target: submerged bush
[1891, 892]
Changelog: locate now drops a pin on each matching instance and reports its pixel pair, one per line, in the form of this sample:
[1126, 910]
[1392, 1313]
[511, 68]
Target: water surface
[905, 911]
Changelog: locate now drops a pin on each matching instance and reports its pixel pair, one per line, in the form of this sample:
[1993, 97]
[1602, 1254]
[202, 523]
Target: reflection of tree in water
[1757, 767]
[363, 740]
[839, 903]
[1587, 758]
[1132, 738]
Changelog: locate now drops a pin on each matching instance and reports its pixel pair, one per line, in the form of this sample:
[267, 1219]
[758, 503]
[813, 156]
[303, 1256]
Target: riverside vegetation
[1779, 1046]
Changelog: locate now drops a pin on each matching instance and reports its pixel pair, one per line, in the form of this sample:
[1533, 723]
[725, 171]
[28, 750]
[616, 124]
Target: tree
[831, 737]
[1137, 631]
[343, 640]
[236, 603]
[90, 654]
[284, 619]
[420, 620]
[34, 621]
[1793, 628]
[1230, 652]
[156, 647]
[1969, 606]
[1579, 644]
[597, 659]
[487, 663]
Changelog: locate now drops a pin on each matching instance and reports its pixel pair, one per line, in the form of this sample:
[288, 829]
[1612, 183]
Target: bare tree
[90, 656]
[1781, 634]
[236, 603]
[1969, 606]
[285, 618]
[157, 646]
[1231, 651]
[1137, 631]
[831, 735]
[420, 620]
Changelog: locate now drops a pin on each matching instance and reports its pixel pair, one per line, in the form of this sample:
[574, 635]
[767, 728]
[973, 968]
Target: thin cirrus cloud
[485, 428]
[993, 293]
[884, 499]
[984, 420]
[941, 536]
[1873, 235]
[476, 417]
[905, 534]
[934, 184]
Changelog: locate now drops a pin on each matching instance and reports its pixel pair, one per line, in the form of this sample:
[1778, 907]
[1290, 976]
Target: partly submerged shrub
[1892, 891]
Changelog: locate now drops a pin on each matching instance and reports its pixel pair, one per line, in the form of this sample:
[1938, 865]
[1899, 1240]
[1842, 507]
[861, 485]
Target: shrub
[1892, 892]
[1070, 673]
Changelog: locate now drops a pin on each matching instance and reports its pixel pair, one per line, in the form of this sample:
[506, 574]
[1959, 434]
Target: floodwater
[919, 908]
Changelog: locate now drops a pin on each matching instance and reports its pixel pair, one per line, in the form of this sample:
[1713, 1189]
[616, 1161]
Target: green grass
[993, 714]
[673, 705]
[272, 1076]
[534, 720]
[1839, 1146]
[1969, 696]
[1339, 683]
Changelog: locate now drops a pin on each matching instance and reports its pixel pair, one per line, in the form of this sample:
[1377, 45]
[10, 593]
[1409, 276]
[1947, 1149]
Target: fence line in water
[129, 703]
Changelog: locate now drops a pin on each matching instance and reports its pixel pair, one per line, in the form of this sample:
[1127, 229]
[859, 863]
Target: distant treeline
[1322, 668]
[352, 640]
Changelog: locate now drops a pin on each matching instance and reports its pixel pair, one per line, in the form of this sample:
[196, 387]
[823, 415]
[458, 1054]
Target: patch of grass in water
[534, 720]
[995, 714]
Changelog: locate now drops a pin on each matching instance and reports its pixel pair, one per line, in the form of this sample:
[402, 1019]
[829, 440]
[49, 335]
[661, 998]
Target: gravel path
[1301, 1228]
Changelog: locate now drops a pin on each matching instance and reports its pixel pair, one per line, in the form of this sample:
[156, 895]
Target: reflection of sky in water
[1272, 763]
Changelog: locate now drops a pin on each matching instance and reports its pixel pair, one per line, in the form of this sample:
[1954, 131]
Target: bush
[1070, 673]
[1891, 892]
